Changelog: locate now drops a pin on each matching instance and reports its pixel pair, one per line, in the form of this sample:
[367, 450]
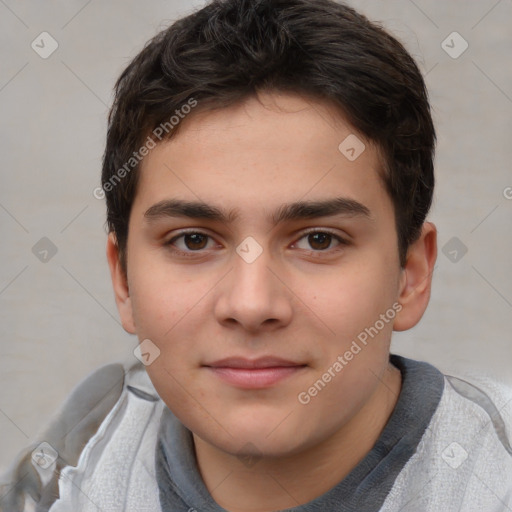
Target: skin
[304, 298]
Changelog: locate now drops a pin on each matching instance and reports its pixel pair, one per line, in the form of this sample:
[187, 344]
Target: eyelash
[342, 242]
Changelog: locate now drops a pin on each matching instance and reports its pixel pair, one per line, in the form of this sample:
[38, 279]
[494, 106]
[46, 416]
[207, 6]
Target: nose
[254, 296]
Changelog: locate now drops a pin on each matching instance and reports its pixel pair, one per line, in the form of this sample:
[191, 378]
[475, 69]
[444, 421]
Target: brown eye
[194, 241]
[320, 241]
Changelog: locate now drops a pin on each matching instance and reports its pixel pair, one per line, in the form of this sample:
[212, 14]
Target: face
[259, 256]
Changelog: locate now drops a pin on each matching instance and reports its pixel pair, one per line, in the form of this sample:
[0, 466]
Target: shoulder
[475, 408]
[490, 396]
[32, 478]
[465, 451]
[484, 402]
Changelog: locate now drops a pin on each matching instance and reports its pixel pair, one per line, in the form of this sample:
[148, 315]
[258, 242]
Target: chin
[261, 437]
[259, 445]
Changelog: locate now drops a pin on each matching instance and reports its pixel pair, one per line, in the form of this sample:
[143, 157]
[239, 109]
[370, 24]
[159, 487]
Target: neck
[286, 482]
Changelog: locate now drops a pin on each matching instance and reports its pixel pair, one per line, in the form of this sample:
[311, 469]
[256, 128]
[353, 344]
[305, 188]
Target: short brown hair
[230, 49]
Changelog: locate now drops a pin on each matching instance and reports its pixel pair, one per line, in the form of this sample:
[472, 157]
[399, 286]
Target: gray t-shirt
[364, 489]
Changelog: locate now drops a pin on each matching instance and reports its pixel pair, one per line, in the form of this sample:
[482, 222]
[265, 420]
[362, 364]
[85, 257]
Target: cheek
[160, 297]
[169, 312]
[178, 391]
[352, 300]
[154, 309]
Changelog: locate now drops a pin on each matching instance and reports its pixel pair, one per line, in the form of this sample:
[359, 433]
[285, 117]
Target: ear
[416, 278]
[120, 285]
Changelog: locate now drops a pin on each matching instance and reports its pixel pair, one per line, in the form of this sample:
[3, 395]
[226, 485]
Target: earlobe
[120, 285]
[416, 278]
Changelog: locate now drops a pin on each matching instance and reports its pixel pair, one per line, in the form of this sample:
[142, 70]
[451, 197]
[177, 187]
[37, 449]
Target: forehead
[265, 151]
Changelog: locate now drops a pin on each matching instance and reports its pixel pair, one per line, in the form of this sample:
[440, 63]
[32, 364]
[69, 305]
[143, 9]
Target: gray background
[58, 317]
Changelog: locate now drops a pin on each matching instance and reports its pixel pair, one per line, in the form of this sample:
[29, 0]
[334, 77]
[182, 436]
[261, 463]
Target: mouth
[258, 373]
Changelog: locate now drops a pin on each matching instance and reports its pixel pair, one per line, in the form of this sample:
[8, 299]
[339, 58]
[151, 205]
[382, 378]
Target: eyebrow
[299, 210]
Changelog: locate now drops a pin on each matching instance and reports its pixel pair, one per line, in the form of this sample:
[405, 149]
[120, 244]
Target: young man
[268, 172]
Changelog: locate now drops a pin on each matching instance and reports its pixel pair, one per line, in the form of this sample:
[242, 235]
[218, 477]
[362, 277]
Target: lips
[262, 362]
[258, 373]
